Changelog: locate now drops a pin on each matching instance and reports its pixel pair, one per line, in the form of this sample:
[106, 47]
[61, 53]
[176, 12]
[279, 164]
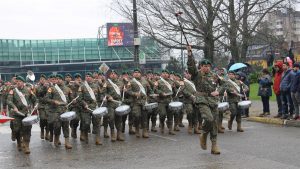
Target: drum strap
[190, 83]
[116, 87]
[22, 97]
[142, 89]
[235, 85]
[61, 93]
[166, 83]
[89, 89]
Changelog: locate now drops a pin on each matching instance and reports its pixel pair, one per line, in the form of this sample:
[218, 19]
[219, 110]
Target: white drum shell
[122, 110]
[28, 121]
[175, 106]
[99, 112]
[151, 106]
[244, 104]
[68, 116]
[223, 106]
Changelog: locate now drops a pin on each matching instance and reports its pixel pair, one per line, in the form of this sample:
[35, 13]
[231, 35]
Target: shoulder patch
[11, 92]
[50, 90]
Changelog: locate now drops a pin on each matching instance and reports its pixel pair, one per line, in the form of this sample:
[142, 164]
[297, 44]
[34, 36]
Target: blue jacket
[286, 79]
[265, 84]
[294, 81]
[297, 81]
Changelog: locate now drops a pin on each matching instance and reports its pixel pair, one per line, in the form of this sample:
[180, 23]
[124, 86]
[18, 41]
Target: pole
[136, 35]
[181, 53]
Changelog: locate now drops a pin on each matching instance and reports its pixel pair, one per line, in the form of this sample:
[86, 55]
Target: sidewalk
[256, 109]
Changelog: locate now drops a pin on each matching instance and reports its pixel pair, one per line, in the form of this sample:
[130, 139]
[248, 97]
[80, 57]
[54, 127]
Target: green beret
[125, 72]
[178, 75]
[149, 72]
[113, 71]
[51, 76]
[43, 76]
[89, 74]
[205, 62]
[165, 71]
[76, 75]
[20, 78]
[68, 74]
[60, 76]
[172, 72]
[231, 71]
[156, 73]
[100, 72]
[137, 70]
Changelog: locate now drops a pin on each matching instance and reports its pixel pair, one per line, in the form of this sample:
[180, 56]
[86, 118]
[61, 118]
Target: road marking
[167, 138]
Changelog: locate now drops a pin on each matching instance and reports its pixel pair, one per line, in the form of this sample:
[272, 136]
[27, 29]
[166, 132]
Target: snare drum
[244, 104]
[223, 106]
[122, 110]
[99, 112]
[175, 106]
[28, 121]
[68, 116]
[150, 106]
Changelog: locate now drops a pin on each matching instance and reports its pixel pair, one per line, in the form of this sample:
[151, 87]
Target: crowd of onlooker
[286, 87]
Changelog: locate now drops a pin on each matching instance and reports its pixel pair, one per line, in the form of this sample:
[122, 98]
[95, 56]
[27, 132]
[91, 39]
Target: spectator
[276, 87]
[265, 91]
[285, 92]
[294, 86]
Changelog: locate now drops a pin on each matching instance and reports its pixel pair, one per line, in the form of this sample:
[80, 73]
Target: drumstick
[177, 91]
[244, 93]
[34, 108]
[72, 101]
[123, 93]
[103, 101]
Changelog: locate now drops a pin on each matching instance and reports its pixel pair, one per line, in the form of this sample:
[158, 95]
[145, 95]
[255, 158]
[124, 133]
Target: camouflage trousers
[75, 122]
[130, 120]
[235, 112]
[165, 112]
[112, 120]
[86, 119]
[210, 116]
[191, 114]
[152, 114]
[43, 118]
[20, 130]
[139, 116]
[55, 125]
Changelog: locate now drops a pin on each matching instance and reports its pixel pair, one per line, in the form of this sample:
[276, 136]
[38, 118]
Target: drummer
[114, 94]
[165, 88]
[138, 94]
[233, 88]
[179, 85]
[152, 114]
[89, 93]
[57, 97]
[19, 100]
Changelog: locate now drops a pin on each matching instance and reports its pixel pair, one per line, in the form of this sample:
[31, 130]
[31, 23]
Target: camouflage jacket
[53, 95]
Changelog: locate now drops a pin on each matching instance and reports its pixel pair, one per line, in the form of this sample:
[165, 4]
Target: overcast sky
[54, 19]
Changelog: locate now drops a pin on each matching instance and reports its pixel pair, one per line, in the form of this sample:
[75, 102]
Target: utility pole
[136, 35]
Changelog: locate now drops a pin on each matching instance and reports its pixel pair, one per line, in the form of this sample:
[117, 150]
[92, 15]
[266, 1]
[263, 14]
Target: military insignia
[11, 92]
[49, 90]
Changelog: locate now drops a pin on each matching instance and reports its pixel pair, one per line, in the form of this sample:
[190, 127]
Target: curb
[287, 123]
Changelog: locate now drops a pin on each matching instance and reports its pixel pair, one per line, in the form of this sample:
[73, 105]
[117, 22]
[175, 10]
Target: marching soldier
[57, 97]
[41, 91]
[234, 87]
[76, 106]
[179, 85]
[19, 100]
[152, 114]
[206, 100]
[138, 96]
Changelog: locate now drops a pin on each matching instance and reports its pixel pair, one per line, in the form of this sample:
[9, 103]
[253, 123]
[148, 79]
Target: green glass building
[71, 55]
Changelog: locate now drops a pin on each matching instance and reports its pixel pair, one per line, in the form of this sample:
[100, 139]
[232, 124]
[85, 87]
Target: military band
[149, 97]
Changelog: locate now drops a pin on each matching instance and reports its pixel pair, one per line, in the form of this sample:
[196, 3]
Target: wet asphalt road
[262, 146]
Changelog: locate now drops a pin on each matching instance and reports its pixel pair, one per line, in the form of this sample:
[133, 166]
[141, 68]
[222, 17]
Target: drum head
[245, 102]
[175, 104]
[100, 110]
[223, 104]
[30, 118]
[68, 114]
[151, 104]
[122, 108]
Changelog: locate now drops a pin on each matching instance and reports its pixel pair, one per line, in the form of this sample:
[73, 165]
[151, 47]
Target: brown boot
[190, 129]
[171, 132]
[51, 137]
[230, 124]
[200, 126]
[203, 140]
[220, 130]
[42, 134]
[131, 130]
[120, 136]
[176, 127]
[222, 127]
[105, 133]
[26, 148]
[82, 136]
[112, 135]
[137, 132]
[73, 133]
[153, 129]
[47, 135]
[19, 144]
[98, 141]
[239, 127]
[162, 128]
[196, 130]
[214, 148]
[145, 133]
[67, 144]
[56, 140]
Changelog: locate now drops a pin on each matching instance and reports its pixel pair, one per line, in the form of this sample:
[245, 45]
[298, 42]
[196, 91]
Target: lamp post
[136, 35]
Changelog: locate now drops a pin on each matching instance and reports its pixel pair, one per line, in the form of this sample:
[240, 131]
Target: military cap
[112, 71]
[60, 76]
[100, 72]
[51, 76]
[205, 62]
[43, 76]
[68, 74]
[88, 74]
[149, 72]
[20, 78]
[165, 71]
[137, 70]
[76, 75]
[157, 73]
[172, 73]
[125, 72]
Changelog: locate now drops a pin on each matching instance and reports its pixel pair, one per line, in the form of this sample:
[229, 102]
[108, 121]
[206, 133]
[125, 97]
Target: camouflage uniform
[41, 91]
[23, 133]
[128, 101]
[152, 114]
[76, 107]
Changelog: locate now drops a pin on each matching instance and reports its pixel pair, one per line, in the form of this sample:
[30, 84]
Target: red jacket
[277, 78]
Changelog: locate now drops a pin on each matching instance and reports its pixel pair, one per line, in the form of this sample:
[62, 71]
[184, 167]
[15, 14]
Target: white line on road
[167, 138]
